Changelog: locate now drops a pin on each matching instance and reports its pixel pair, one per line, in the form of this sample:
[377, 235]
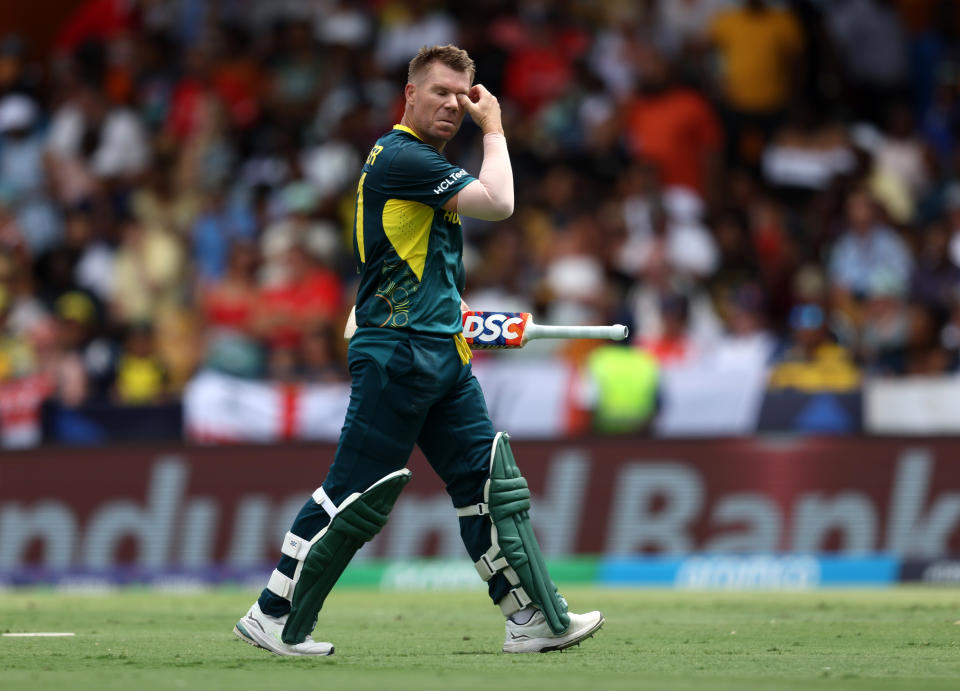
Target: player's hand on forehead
[483, 107]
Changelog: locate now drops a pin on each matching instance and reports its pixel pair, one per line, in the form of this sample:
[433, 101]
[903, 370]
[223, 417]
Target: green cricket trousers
[408, 388]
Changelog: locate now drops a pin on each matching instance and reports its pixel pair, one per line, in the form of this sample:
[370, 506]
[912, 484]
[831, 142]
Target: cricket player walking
[412, 382]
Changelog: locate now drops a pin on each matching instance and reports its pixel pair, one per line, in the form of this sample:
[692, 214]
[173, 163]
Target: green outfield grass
[888, 639]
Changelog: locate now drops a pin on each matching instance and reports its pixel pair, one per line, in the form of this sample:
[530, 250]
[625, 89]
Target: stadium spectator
[682, 23]
[148, 273]
[868, 253]
[319, 359]
[885, 317]
[674, 345]
[536, 72]
[163, 201]
[17, 357]
[623, 389]
[872, 45]
[658, 242]
[230, 303]
[408, 27]
[746, 343]
[901, 153]
[238, 128]
[217, 227]
[308, 294]
[17, 74]
[811, 360]
[296, 76]
[936, 273]
[66, 355]
[673, 127]
[295, 226]
[25, 313]
[807, 153]
[925, 353]
[106, 140]
[94, 256]
[760, 50]
[24, 175]
[141, 376]
[343, 25]
[951, 203]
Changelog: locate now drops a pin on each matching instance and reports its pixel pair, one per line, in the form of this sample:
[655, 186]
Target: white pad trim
[326, 502]
[295, 546]
[488, 565]
[281, 585]
[480, 509]
[514, 601]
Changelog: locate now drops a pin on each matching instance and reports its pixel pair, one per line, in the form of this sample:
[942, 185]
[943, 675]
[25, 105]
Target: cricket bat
[514, 329]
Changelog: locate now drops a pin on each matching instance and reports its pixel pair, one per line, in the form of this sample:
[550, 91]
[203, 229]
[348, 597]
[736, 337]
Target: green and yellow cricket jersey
[409, 250]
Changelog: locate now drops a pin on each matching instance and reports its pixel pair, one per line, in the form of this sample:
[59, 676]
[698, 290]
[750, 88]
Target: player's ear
[408, 91]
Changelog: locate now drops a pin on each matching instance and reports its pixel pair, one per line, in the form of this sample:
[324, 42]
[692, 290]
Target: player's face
[432, 103]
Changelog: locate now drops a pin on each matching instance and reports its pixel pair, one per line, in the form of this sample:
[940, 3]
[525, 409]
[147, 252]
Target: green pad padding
[358, 520]
[509, 502]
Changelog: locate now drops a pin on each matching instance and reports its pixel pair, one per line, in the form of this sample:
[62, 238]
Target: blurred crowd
[738, 181]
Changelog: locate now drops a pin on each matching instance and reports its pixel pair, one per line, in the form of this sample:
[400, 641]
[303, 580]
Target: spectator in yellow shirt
[759, 50]
[812, 361]
[141, 375]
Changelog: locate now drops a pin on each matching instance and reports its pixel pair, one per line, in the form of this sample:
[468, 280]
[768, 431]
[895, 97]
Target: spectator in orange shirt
[673, 126]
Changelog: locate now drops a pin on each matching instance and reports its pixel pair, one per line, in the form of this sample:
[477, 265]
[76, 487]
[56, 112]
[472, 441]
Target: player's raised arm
[490, 196]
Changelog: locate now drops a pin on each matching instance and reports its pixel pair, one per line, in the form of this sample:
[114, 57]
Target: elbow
[503, 211]
[501, 208]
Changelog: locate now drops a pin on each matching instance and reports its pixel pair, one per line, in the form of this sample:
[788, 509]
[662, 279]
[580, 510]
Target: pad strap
[515, 600]
[481, 509]
[488, 564]
[326, 502]
[281, 585]
[296, 547]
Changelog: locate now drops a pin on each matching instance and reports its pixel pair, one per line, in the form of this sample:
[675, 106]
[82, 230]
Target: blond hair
[450, 55]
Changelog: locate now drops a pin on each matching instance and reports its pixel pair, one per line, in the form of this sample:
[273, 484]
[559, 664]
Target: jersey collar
[407, 130]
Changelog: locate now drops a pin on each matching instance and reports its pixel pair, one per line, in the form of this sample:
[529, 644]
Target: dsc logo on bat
[494, 329]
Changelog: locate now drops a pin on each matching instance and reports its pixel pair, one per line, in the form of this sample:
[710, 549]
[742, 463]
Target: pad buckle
[487, 566]
[515, 600]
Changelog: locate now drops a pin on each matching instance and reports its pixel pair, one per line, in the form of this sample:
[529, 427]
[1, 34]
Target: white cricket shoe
[536, 636]
[263, 631]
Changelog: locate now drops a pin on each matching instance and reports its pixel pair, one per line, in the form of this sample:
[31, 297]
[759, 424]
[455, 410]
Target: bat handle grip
[616, 332]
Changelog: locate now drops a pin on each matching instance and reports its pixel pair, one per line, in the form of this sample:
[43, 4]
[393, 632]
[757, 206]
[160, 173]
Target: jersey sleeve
[421, 174]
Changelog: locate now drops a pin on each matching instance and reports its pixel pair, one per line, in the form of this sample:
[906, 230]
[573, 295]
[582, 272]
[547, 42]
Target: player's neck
[437, 144]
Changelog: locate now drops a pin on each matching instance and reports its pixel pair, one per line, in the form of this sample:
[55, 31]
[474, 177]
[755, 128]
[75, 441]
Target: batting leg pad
[514, 549]
[357, 520]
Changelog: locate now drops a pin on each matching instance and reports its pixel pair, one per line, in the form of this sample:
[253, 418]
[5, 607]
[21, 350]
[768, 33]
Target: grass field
[890, 639]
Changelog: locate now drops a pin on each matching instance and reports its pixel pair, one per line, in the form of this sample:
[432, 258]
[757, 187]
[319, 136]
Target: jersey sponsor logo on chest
[451, 179]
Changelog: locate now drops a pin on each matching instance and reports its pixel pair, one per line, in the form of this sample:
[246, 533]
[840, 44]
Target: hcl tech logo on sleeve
[494, 328]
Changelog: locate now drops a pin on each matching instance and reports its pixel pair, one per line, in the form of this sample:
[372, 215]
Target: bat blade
[495, 329]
